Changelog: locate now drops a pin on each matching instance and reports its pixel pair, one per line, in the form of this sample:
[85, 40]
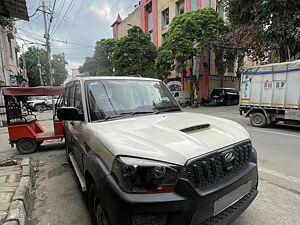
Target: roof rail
[134, 75]
[86, 74]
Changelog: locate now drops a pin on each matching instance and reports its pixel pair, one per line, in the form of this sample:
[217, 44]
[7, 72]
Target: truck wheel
[98, 214]
[258, 120]
[26, 146]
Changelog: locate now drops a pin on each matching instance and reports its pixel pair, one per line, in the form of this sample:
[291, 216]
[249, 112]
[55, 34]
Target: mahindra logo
[229, 157]
[228, 160]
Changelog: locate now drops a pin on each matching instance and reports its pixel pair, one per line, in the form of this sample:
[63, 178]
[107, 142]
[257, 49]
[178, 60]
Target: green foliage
[58, 64]
[6, 22]
[31, 59]
[185, 30]
[90, 66]
[135, 54]
[104, 53]
[132, 54]
[274, 25]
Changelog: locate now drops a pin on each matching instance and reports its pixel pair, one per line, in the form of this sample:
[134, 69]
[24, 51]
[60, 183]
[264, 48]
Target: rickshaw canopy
[33, 91]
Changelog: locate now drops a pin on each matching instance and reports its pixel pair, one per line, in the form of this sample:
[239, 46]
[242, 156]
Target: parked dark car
[225, 96]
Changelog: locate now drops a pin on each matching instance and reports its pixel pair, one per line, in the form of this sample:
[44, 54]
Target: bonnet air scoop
[195, 128]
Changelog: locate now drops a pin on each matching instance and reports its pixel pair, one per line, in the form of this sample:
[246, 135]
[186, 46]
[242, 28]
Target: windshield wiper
[172, 109]
[136, 113]
[112, 117]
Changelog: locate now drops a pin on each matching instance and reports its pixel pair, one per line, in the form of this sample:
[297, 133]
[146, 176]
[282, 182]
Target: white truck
[271, 93]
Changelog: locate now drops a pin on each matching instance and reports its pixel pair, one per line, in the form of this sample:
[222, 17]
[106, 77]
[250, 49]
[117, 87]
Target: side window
[78, 98]
[66, 95]
[70, 99]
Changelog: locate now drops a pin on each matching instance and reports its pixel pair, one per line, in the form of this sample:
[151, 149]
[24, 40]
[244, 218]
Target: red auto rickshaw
[23, 127]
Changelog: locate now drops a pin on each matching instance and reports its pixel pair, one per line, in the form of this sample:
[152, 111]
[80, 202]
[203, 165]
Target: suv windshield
[114, 98]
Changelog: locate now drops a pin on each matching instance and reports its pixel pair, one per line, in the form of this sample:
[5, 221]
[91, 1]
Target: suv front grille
[217, 166]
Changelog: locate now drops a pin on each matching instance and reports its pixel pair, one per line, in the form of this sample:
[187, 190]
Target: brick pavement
[9, 180]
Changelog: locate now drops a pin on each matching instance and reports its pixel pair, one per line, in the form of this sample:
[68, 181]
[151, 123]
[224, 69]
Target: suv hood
[160, 137]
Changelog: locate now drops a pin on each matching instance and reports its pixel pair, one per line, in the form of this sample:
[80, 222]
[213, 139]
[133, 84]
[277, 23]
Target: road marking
[272, 132]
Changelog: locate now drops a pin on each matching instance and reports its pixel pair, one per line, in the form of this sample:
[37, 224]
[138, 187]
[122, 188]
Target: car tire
[68, 151]
[97, 211]
[258, 120]
[229, 102]
[40, 108]
[26, 145]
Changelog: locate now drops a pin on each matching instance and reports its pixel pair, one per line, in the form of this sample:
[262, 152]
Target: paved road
[60, 201]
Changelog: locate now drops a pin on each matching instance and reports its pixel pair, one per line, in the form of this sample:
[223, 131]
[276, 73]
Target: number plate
[231, 198]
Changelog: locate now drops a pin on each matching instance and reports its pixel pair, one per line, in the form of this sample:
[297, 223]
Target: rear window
[217, 92]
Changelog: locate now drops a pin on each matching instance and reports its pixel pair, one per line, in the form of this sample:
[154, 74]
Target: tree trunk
[282, 54]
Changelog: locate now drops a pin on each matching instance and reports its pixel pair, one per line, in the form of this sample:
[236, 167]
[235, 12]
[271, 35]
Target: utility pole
[25, 77]
[39, 65]
[47, 37]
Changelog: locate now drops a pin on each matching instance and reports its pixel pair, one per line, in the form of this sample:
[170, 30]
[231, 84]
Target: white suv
[143, 161]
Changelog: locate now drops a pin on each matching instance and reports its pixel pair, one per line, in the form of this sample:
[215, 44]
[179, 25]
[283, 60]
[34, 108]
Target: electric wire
[66, 13]
[61, 6]
[76, 16]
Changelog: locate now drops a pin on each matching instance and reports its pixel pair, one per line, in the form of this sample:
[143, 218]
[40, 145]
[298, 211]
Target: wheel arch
[259, 110]
[95, 171]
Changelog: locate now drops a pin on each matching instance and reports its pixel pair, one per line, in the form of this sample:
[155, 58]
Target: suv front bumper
[185, 206]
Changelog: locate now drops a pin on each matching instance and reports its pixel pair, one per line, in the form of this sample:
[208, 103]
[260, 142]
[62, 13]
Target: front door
[75, 127]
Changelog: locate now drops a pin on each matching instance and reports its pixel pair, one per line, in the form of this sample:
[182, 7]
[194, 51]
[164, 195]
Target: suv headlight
[137, 175]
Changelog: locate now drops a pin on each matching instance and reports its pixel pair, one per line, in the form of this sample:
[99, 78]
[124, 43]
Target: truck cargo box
[271, 93]
[273, 85]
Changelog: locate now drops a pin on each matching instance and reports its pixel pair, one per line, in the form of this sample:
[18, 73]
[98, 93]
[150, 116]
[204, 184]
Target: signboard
[268, 85]
[174, 86]
[280, 84]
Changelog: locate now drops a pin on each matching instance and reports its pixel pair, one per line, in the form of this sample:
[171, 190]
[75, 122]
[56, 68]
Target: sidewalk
[15, 191]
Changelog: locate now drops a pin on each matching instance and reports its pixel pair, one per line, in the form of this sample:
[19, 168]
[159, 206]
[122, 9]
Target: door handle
[72, 123]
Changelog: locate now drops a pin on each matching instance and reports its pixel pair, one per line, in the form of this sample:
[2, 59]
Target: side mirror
[69, 113]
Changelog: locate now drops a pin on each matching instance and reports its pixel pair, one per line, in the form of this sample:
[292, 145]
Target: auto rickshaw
[23, 127]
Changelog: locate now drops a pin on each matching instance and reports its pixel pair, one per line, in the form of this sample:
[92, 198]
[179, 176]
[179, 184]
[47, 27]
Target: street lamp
[140, 52]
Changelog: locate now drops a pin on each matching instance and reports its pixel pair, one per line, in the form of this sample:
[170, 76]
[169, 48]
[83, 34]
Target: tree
[6, 22]
[263, 26]
[185, 31]
[31, 59]
[135, 54]
[188, 33]
[104, 53]
[90, 66]
[59, 64]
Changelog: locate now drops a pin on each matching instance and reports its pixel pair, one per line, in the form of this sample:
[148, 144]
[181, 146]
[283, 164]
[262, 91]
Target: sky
[76, 26]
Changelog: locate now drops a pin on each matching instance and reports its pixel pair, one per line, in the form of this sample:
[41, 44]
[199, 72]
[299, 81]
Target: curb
[21, 202]
[282, 180]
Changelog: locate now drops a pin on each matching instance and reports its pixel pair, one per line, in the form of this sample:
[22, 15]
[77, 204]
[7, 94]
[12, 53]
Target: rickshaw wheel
[26, 146]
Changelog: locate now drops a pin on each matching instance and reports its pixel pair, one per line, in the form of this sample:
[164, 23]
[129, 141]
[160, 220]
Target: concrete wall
[162, 5]
[10, 66]
[134, 18]
[232, 84]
